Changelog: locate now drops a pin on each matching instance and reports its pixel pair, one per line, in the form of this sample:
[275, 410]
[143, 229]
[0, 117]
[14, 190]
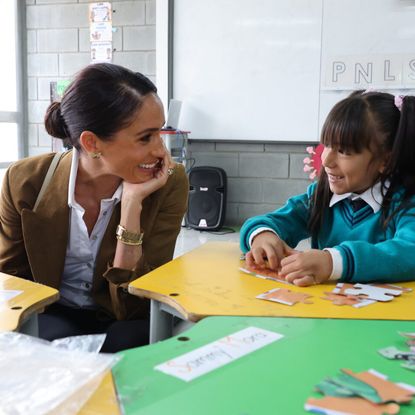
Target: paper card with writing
[218, 353]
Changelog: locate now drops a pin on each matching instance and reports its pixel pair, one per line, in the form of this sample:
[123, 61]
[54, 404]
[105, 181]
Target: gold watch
[129, 238]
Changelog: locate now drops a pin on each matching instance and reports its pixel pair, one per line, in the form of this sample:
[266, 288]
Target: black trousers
[59, 321]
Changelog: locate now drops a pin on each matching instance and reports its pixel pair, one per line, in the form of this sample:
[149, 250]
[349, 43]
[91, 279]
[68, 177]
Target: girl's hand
[307, 268]
[139, 191]
[267, 247]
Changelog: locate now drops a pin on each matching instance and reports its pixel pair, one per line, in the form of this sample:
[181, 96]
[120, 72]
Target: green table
[275, 379]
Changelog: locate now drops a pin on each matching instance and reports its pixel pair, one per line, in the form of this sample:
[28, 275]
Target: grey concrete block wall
[58, 46]
[261, 176]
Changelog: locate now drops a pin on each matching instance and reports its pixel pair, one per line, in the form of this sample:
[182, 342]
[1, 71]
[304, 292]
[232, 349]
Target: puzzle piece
[372, 292]
[407, 335]
[358, 387]
[329, 388]
[349, 406]
[387, 391]
[265, 270]
[394, 353]
[351, 300]
[264, 273]
[338, 299]
[410, 364]
[393, 287]
[285, 296]
[341, 287]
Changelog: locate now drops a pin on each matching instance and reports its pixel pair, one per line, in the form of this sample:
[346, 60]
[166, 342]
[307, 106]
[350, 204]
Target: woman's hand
[267, 250]
[307, 268]
[139, 191]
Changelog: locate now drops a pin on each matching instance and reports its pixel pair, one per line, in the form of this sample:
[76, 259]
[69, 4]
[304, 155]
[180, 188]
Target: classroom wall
[261, 175]
[58, 46]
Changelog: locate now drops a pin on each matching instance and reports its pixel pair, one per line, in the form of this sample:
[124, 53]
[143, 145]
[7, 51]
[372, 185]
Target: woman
[111, 212]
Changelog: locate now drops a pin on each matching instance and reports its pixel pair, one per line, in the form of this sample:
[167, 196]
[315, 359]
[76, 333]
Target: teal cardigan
[368, 252]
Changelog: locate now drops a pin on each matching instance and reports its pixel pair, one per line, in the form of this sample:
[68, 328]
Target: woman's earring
[95, 155]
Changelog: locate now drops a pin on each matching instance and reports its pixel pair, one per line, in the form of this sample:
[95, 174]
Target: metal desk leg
[30, 326]
[161, 323]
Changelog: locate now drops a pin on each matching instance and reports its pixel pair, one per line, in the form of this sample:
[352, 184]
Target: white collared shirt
[372, 196]
[81, 251]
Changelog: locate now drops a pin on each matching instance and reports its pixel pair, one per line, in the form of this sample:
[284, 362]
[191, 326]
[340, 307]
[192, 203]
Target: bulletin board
[271, 70]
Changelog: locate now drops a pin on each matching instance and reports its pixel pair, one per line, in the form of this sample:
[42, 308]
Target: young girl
[361, 212]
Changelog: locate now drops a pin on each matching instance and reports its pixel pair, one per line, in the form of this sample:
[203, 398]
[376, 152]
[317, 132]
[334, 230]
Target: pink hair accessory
[399, 102]
[312, 164]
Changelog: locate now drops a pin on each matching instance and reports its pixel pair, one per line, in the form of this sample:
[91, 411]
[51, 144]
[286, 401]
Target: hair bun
[54, 122]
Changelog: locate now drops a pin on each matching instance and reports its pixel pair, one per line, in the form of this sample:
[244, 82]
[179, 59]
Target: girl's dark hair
[103, 98]
[371, 120]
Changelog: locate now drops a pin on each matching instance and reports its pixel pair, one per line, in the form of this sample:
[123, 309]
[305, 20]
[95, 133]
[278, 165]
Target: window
[11, 119]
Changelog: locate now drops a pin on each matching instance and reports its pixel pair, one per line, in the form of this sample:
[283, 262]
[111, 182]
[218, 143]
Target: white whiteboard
[261, 70]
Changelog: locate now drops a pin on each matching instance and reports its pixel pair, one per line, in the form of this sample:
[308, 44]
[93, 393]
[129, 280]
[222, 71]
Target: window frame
[19, 116]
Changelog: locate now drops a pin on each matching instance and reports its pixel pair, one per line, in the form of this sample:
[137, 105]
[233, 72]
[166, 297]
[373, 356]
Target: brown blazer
[33, 243]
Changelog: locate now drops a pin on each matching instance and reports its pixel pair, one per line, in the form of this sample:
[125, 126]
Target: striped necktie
[357, 204]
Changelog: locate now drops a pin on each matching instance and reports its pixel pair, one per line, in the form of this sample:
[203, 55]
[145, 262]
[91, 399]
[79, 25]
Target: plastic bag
[37, 377]
[91, 343]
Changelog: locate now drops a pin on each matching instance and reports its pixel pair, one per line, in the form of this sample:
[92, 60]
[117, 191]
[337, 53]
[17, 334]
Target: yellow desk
[207, 282]
[20, 312]
[104, 401]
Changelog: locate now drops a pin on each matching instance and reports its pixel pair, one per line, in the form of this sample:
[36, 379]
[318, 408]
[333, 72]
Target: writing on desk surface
[218, 353]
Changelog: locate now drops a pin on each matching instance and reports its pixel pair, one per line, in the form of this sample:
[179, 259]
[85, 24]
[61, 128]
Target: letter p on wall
[338, 68]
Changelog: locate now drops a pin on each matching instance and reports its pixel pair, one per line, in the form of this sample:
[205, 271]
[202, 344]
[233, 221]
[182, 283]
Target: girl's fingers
[298, 278]
[292, 276]
[273, 262]
[258, 256]
[249, 259]
[305, 281]
[288, 260]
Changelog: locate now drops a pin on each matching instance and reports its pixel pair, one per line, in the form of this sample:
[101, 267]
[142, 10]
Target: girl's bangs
[346, 128]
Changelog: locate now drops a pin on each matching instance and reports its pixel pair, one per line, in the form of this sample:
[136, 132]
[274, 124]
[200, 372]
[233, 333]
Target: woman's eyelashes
[144, 139]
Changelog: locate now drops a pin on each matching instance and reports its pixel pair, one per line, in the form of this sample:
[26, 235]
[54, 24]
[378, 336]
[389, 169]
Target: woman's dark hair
[371, 120]
[102, 98]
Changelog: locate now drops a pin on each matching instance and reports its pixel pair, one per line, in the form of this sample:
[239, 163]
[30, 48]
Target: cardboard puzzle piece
[285, 296]
[394, 287]
[372, 292]
[407, 335]
[394, 353]
[352, 300]
[341, 287]
[410, 339]
[410, 364]
[386, 390]
[349, 406]
[329, 388]
[265, 273]
[338, 299]
[358, 387]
